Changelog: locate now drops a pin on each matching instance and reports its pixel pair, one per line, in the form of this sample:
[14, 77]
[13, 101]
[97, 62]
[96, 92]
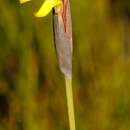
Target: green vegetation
[32, 88]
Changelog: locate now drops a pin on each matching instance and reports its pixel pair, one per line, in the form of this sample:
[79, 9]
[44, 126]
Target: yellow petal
[47, 7]
[24, 1]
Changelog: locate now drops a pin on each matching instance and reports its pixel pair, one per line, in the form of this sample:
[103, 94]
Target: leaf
[47, 7]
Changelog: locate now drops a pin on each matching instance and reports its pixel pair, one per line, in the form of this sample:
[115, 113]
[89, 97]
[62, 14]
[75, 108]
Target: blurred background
[32, 88]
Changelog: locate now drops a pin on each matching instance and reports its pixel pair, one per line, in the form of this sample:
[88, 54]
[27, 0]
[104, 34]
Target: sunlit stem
[24, 1]
[70, 104]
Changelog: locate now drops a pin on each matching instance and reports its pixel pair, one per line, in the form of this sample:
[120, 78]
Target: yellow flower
[46, 7]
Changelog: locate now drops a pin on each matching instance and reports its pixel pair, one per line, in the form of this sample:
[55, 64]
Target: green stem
[70, 104]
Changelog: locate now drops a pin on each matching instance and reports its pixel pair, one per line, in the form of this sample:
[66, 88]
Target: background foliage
[32, 90]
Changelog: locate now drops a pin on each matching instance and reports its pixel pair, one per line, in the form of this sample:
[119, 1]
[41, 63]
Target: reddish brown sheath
[63, 38]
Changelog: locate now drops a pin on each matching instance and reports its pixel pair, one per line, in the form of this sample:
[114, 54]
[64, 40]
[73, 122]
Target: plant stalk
[62, 29]
[70, 104]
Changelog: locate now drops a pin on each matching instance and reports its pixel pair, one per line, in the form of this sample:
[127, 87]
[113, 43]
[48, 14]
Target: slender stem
[70, 104]
[126, 37]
